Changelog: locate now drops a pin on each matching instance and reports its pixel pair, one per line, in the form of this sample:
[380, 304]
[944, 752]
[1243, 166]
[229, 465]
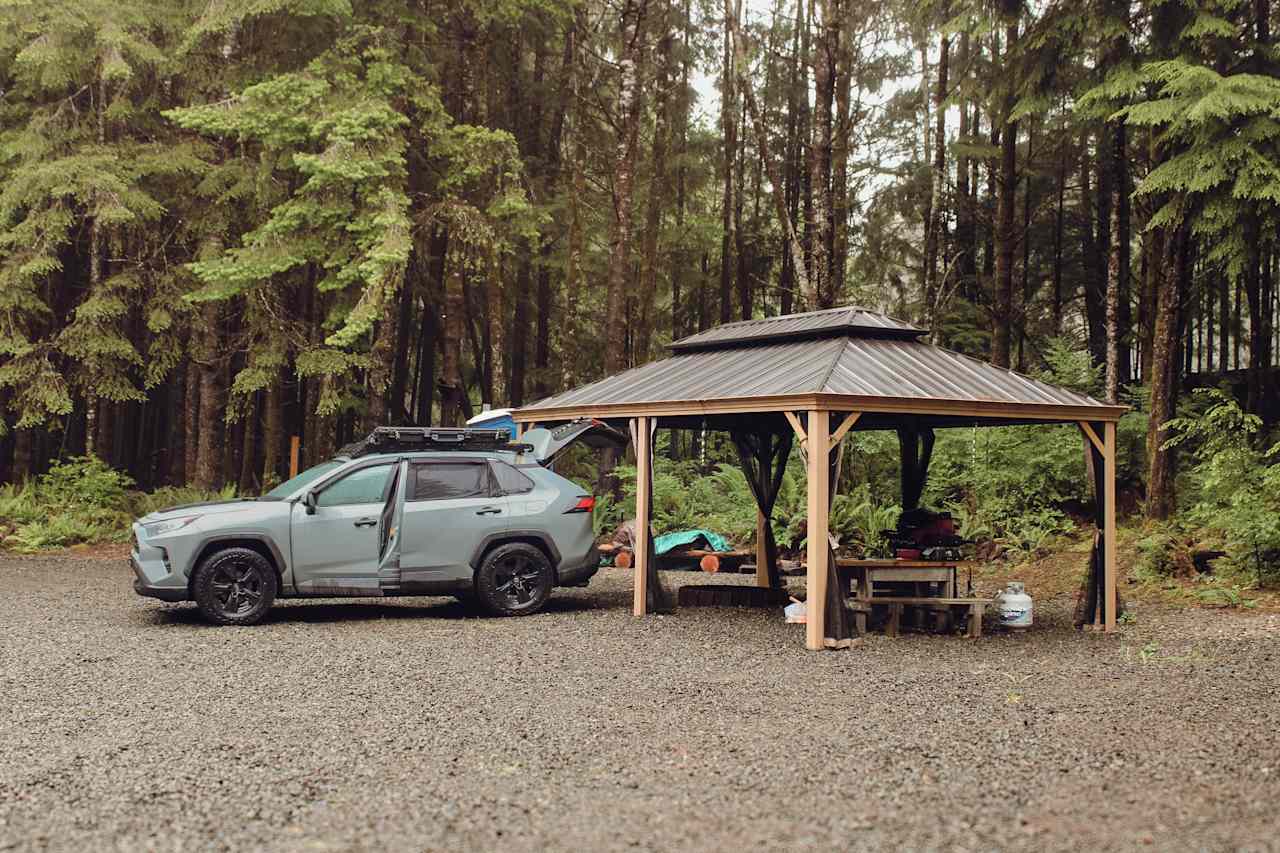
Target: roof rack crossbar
[387, 439]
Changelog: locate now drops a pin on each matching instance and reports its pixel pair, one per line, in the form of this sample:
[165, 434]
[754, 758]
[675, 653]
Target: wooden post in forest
[818, 437]
[644, 499]
[1109, 525]
[294, 445]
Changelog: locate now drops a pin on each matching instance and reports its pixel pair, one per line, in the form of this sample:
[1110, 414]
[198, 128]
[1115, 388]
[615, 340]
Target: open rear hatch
[547, 444]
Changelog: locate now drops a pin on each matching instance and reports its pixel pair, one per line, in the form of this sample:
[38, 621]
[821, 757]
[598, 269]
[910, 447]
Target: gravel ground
[126, 724]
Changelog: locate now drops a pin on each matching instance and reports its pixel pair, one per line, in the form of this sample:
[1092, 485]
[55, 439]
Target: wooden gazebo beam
[980, 409]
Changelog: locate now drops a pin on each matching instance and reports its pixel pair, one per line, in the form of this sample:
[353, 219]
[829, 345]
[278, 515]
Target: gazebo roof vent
[849, 321]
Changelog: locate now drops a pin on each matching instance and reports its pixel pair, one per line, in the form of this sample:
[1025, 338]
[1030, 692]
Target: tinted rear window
[437, 481]
[511, 481]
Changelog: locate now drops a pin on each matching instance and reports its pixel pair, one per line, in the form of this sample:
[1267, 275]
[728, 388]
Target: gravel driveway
[126, 724]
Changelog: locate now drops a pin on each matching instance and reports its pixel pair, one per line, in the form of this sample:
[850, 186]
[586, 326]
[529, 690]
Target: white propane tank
[1013, 606]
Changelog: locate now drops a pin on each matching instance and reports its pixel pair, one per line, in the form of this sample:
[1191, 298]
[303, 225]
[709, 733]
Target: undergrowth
[79, 501]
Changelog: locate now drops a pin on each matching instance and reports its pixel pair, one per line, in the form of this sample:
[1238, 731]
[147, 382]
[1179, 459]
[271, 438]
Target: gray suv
[406, 511]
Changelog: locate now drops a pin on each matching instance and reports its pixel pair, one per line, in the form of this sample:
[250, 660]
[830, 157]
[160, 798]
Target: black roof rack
[394, 439]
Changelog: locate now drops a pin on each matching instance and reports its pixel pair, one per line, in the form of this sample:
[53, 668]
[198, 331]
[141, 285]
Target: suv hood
[202, 507]
[547, 444]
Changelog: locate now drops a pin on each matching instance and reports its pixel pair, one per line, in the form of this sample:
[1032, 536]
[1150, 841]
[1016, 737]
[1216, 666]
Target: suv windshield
[308, 476]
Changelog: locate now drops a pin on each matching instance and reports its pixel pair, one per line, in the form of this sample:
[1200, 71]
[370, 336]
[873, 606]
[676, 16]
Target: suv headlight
[157, 528]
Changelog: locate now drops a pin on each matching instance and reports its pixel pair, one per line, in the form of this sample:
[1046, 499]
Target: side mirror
[309, 501]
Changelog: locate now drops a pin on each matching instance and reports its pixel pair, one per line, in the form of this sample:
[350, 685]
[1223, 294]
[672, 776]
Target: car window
[365, 486]
[308, 476]
[511, 481]
[437, 481]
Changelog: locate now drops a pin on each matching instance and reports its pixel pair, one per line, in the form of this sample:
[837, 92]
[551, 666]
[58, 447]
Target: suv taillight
[584, 504]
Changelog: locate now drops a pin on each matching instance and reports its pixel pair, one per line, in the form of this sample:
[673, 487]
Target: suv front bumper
[153, 574]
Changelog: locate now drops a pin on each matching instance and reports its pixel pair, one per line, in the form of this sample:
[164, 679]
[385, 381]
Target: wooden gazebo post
[1109, 525]
[1106, 446]
[644, 501]
[817, 447]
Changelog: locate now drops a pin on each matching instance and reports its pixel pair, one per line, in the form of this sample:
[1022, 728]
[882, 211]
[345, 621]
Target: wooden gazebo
[815, 377]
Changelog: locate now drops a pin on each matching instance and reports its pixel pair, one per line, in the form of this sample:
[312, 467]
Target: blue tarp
[692, 538]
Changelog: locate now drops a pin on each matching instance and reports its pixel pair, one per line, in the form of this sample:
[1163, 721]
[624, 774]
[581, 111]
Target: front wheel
[235, 586]
[514, 580]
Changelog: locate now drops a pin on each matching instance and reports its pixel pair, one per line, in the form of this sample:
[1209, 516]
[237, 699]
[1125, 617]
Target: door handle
[365, 522]
[489, 510]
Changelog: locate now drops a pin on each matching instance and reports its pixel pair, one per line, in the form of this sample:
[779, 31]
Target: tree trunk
[826, 48]
[1113, 304]
[680, 253]
[792, 243]
[381, 356]
[1094, 272]
[791, 155]
[518, 351]
[1163, 380]
[1224, 326]
[396, 406]
[1253, 293]
[1058, 223]
[650, 260]
[431, 266]
[1002, 316]
[273, 433]
[728, 120]
[933, 232]
[965, 236]
[247, 447]
[840, 167]
[1123, 237]
[451, 388]
[208, 467]
[630, 88]
[190, 422]
[175, 443]
[471, 109]
[24, 456]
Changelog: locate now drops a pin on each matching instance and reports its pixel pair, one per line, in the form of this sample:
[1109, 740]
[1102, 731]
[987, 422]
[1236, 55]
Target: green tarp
[692, 538]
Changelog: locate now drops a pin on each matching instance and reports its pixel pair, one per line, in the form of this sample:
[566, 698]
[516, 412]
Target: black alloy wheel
[515, 580]
[235, 586]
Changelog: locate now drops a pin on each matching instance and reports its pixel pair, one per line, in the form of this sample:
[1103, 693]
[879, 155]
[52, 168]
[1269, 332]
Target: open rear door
[549, 443]
[389, 524]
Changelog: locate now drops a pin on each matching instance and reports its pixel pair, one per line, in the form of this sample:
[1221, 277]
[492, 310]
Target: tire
[514, 580]
[235, 586]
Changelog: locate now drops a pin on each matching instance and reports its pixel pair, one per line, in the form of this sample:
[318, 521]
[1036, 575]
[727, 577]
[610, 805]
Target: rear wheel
[235, 586]
[514, 580]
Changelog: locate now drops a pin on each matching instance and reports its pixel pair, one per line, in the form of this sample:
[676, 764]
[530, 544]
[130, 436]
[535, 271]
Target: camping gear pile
[696, 550]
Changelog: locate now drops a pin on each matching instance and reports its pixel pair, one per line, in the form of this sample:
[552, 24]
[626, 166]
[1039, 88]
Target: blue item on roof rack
[494, 419]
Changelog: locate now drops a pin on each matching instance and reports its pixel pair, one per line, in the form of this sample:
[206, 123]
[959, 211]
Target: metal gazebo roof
[839, 359]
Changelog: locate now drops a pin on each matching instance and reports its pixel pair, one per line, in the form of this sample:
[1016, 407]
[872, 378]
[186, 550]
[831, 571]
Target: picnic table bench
[971, 608]
[933, 584]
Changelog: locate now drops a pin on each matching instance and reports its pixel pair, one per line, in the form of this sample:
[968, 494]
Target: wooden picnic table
[867, 573]
[937, 576]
